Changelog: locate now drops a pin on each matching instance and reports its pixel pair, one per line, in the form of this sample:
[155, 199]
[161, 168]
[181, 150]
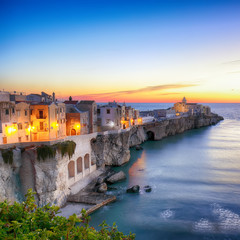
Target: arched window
[71, 171]
[79, 165]
[86, 161]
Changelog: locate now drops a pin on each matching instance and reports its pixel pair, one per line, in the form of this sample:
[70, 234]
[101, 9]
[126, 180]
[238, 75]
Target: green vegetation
[45, 151]
[67, 147]
[7, 155]
[26, 221]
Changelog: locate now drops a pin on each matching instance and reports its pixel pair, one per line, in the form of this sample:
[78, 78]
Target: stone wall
[50, 177]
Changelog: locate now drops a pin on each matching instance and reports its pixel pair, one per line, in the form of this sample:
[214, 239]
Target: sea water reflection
[195, 187]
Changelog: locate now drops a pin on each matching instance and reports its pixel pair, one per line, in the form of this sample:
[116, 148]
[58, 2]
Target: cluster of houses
[178, 110]
[40, 117]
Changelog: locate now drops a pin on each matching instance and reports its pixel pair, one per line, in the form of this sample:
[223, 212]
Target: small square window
[7, 111]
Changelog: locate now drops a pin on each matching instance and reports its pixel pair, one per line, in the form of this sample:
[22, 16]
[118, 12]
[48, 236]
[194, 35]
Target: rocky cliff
[113, 149]
[49, 177]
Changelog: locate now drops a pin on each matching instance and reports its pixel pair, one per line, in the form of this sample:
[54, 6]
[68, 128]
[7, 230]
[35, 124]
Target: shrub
[45, 151]
[27, 221]
[7, 155]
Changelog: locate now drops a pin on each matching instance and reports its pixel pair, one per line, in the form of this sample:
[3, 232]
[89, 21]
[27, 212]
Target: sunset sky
[133, 51]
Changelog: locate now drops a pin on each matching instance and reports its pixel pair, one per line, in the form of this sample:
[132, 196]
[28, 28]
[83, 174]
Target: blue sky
[89, 48]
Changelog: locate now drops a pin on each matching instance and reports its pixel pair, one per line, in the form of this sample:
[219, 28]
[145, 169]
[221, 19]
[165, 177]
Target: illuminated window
[41, 125]
[19, 126]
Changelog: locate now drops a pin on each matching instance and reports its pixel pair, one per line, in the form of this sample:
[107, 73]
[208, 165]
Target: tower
[184, 100]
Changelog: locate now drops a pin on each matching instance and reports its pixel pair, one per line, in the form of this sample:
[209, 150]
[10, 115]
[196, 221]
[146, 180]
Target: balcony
[41, 117]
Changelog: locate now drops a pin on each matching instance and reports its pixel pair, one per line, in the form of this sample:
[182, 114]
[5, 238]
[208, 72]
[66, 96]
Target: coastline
[137, 137]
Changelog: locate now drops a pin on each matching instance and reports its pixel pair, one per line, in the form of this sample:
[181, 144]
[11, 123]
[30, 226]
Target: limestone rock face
[137, 136]
[117, 177]
[112, 149]
[9, 178]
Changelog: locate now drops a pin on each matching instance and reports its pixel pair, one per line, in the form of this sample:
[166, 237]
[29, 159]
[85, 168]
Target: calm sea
[195, 180]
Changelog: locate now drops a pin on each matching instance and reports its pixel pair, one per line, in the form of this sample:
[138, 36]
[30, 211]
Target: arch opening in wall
[86, 161]
[71, 170]
[150, 136]
[79, 165]
[73, 132]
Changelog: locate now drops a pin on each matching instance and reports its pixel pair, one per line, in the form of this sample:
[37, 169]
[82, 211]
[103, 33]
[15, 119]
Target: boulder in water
[117, 177]
[133, 189]
[147, 188]
[102, 188]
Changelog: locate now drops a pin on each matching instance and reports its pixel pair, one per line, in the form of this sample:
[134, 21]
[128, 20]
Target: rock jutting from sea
[113, 149]
[56, 178]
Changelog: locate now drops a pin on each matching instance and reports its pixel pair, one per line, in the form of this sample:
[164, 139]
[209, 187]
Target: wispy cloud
[235, 62]
[234, 72]
[163, 94]
[147, 89]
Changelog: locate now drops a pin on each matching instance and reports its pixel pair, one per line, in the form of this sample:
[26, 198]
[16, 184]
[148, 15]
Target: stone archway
[79, 165]
[71, 170]
[86, 161]
[150, 136]
[73, 132]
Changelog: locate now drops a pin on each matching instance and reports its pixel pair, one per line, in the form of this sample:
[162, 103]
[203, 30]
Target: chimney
[53, 96]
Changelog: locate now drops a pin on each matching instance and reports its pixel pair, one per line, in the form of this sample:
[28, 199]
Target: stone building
[18, 96]
[191, 108]
[48, 121]
[91, 107]
[4, 96]
[110, 116]
[43, 97]
[14, 122]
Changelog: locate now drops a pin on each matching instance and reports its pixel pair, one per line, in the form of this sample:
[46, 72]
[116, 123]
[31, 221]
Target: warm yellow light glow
[78, 125]
[55, 125]
[11, 130]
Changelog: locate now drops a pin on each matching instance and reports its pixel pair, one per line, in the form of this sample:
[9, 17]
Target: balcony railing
[41, 117]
